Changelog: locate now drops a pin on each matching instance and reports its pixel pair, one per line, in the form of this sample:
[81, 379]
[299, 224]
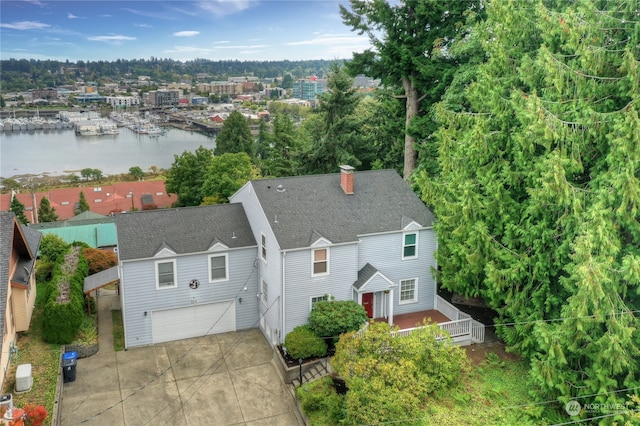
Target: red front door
[367, 302]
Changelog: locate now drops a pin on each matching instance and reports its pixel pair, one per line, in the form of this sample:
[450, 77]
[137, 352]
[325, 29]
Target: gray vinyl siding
[269, 270]
[301, 286]
[140, 293]
[384, 252]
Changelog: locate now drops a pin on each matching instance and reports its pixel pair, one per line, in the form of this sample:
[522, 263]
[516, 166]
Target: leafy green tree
[287, 81]
[46, 212]
[263, 141]
[82, 205]
[539, 193]
[408, 40]
[389, 376]
[17, 208]
[86, 173]
[234, 136]
[225, 175]
[187, 175]
[136, 172]
[10, 184]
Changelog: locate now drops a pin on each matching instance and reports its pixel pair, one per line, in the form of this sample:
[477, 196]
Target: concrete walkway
[224, 379]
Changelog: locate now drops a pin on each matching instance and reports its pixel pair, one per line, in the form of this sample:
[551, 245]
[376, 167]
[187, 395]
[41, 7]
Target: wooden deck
[415, 319]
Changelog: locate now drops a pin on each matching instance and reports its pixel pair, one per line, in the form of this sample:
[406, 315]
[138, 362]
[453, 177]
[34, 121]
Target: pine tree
[82, 205]
[46, 213]
[17, 208]
[539, 194]
[235, 136]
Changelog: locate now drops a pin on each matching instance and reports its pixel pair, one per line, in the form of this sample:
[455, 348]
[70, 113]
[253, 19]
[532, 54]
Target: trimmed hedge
[64, 309]
[302, 342]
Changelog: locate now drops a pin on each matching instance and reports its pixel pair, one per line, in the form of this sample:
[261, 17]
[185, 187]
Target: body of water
[61, 152]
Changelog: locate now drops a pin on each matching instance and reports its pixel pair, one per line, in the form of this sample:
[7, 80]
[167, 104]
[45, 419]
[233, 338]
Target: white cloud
[224, 7]
[243, 46]
[186, 33]
[143, 25]
[332, 39]
[111, 38]
[187, 49]
[72, 16]
[26, 25]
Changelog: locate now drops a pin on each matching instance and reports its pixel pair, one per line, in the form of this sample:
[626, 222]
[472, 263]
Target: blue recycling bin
[69, 364]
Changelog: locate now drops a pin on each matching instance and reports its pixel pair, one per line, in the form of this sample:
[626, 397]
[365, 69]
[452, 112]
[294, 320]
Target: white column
[390, 299]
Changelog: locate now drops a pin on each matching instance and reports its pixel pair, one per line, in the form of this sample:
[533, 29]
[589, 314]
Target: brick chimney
[346, 179]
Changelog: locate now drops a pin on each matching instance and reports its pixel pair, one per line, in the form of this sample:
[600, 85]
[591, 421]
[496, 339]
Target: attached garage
[193, 321]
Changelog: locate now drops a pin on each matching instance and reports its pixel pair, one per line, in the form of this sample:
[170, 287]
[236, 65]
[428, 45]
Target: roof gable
[297, 207]
[144, 234]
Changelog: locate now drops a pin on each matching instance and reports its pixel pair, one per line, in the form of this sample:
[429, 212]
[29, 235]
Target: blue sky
[93, 30]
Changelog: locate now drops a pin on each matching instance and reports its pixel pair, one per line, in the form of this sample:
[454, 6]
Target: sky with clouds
[241, 30]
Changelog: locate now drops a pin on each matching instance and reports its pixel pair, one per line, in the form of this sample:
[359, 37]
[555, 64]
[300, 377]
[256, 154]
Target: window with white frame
[264, 247]
[218, 268]
[409, 290]
[316, 299]
[264, 296]
[410, 245]
[320, 259]
[166, 274]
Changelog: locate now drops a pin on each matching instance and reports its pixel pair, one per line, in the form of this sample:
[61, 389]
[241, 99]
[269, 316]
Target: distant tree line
[24, 74]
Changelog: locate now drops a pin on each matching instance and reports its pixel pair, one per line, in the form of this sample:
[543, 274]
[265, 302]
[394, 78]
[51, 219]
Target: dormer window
[410, 245]
[320, 260]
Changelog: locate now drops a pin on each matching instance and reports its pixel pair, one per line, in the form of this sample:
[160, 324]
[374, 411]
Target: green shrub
[302, 342]
[52, 248]
[335, 317]
[44, 268]
[64, 309]
[321, 402]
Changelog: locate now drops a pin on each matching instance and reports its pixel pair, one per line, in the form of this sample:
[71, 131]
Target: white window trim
[175, 274]
[226, 267]
[328, 261]
[415, 291]
[263, 247]
[322, 297]
[415, 256]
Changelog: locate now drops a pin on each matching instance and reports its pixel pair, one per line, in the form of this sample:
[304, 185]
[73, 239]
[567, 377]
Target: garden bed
[289, 368]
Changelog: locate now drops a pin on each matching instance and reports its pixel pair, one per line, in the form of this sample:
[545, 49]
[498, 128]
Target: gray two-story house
[278, 247]
[350, 236]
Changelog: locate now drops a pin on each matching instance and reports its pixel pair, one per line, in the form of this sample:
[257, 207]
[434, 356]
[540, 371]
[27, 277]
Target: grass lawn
[118, 330]
[45, 364]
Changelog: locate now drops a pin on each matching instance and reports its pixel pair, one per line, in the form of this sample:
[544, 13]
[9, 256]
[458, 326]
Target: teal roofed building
[99, 235]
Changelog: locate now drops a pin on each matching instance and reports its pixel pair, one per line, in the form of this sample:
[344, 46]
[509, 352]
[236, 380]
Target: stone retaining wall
[84, 351]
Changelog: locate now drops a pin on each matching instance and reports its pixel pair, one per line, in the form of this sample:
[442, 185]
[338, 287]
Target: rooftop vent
[280, 188]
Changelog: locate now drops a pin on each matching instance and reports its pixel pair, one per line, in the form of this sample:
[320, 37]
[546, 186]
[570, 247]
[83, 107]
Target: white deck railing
[460, 327]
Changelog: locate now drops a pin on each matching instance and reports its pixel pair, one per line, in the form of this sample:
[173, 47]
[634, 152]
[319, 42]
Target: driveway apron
[224, 379]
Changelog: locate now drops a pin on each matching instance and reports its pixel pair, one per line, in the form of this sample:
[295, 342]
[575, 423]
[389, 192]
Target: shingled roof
[303, 207]
[186, 230]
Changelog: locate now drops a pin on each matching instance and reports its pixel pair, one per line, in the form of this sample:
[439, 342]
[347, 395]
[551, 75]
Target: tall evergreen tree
[338, 141]
[408, 39]
[82, 205]
[17, 208]
[235, 136]
[46, 213]
[539, 195]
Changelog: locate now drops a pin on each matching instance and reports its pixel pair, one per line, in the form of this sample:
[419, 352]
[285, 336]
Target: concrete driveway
[225, 379]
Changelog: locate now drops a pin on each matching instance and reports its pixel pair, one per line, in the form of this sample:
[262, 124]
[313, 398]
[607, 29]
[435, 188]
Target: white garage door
[193, 321]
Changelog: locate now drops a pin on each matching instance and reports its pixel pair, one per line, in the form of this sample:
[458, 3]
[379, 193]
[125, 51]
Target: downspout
[283, 304]
[122, 304]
